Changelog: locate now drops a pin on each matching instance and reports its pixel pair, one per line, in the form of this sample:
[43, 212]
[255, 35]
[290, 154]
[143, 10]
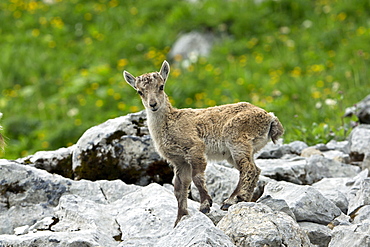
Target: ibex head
[150, 87]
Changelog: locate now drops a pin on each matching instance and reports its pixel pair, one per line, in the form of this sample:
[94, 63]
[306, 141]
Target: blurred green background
[61, 63]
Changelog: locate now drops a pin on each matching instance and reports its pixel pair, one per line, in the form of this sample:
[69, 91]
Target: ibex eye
[161, 87]
[140, 93]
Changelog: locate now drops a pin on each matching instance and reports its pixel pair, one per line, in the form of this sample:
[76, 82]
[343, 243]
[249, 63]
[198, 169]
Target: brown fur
[188, 137]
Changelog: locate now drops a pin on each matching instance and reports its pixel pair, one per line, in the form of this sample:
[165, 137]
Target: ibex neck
[158, 119]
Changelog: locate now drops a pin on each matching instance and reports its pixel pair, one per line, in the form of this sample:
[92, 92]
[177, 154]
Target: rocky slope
[112, 189]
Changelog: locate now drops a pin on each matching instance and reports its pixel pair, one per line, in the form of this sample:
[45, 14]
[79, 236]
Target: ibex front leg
[182, 183]
[198, 163]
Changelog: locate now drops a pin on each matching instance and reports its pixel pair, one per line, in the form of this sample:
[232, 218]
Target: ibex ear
[165, 70]
[130, 79]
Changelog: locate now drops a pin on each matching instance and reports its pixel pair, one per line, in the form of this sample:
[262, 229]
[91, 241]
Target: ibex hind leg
[205, 198]
[242, 159]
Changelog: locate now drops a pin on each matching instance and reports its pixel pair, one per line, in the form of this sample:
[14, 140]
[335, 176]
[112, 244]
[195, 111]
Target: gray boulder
[278, 150]
[310, 151]
[306, 203]
[366, 162]
[331, 184]
[292, 170]
[148, 215]
[341, 184]
[26, 195]
[257, 225]
[361, 110]
[356, 235]
[86, 238]
[300, 170]
[361, 214]
[216, 214]
[359, 142]
[195, 231]
[146, 218]
[58, 161]
[360, 195]
[296, 147]
[337, 190]
[21, 215]
[101, 213]
[190, 46]
[345, 192]
[337, 156]
[338, 145]
[334, 195]
[221, 181]
[44, 209]
[277, 205]
[120, 148]
[330, 168]
[341, 220]
[319, 235]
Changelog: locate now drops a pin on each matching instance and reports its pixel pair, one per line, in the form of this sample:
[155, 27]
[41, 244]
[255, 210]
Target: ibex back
[186, 138]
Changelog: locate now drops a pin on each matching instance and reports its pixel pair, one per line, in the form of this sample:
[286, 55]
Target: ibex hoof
[205, 210]
[226, 206]
[205, 207]
[180, 215]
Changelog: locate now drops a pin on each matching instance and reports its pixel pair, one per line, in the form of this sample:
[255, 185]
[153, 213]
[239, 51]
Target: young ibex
[187, 137]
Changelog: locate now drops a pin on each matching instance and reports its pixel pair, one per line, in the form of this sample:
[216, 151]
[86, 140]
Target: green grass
[61, 64]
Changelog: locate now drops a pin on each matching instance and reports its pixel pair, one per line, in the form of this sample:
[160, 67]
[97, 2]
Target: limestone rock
[331, 168]
[192, 45]
[148, 215]
[273, 151]
[338, 145]
[58, 161]
[306, 203]
[278, 150]
[299, 170]
[216, 214]
[87, 213]
[292, 170]
[337, 197]
[356, 235]
[88, 238]
[120, 148]
[361, 195]
[361, 214]
[361, 110]
[333, 184]
[359, 142]
[277, 205]
[337, 156]
[221, 181]
[26, 194]
[195, 231]
[38, 208]
[257, 225]
[308, 152]
[319, 235]
[341, 184]
[297, 146]
[366, 162]
[341, 220]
